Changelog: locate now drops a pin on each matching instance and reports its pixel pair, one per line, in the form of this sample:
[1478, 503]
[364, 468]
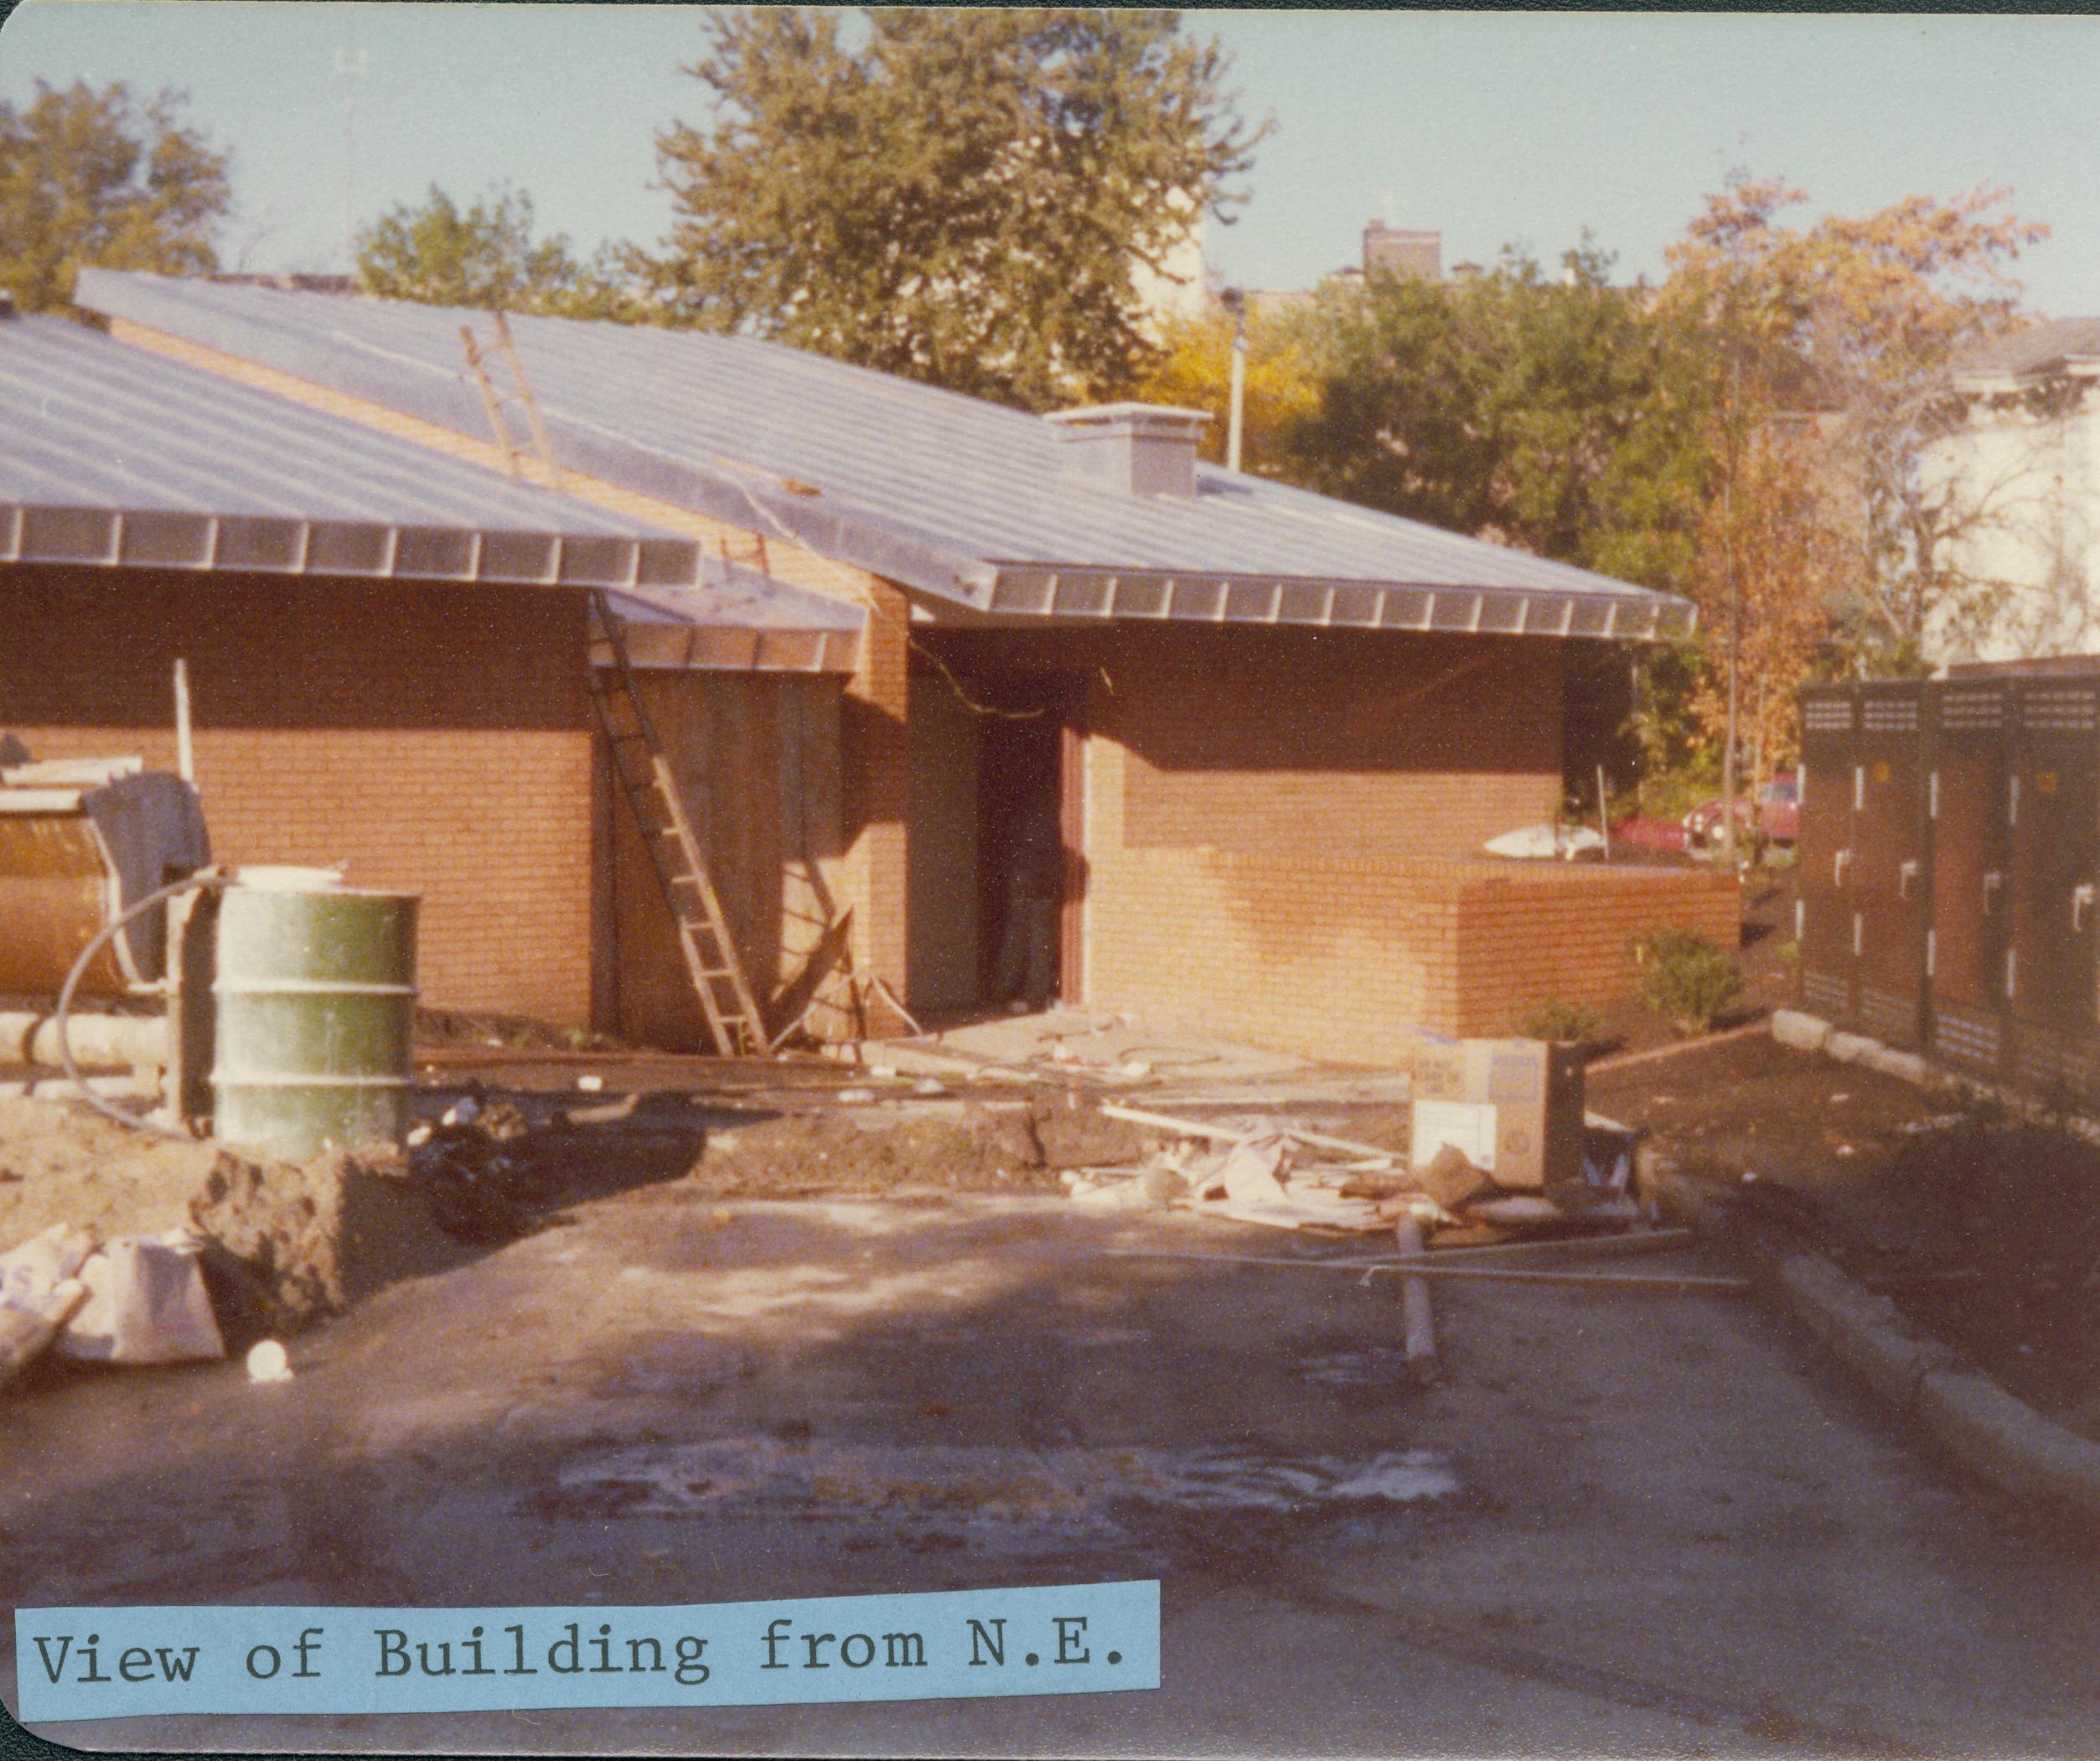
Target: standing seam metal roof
[963, 499]
[112, 456]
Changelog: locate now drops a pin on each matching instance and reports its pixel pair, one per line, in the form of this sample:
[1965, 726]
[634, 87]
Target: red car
[1776, 814]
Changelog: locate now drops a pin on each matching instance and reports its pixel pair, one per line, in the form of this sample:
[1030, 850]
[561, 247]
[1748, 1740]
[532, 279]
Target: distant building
[1394, 250]
[2025, 470]
[1403, 252]
[1176, 290]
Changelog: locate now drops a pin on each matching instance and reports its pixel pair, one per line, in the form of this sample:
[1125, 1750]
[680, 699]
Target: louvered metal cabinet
[1966, 797]
[1826, 923]
[1890, 875]
[2053, 805]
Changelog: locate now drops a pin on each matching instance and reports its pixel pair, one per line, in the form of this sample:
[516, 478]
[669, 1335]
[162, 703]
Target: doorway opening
[995, 871]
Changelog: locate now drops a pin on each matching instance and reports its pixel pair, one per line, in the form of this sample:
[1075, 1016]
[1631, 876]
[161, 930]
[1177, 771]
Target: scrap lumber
[1688, 1282]
[1420, 1321]
[1225, 1134]
[1427, 1267]
[1639, 1241]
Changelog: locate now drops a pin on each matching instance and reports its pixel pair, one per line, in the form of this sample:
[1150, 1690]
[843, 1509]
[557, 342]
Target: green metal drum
[316, 998]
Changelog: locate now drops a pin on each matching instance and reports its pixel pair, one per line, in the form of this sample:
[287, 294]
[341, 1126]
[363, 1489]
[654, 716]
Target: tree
[1280, 395]
[486, 256]
[1544, 414]
[102, 179]
[1860, 320]
[957, 196]
[1845, 331]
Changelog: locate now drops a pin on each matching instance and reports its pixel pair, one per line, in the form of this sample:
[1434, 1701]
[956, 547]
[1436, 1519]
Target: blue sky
[1493, 128]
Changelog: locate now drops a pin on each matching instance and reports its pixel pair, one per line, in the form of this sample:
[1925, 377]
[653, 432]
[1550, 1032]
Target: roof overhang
[118, 538]
[1096, 595]
[738, 621]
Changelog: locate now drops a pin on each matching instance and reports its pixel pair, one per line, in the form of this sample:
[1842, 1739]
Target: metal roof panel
[943, 493]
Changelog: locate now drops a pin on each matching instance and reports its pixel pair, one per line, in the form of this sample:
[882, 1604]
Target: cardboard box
[1523, 1097]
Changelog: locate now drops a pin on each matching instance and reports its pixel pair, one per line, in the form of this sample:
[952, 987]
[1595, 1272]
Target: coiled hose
[159, 895]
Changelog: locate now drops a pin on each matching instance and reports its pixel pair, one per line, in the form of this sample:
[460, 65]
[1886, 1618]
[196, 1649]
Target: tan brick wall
[435, 739]
[1283, 830]
[1341, 744]
[1346, 959]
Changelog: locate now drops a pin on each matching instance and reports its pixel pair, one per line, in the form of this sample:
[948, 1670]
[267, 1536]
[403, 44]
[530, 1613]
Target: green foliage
[100, 178]
[485, 255]
[1556, 1019]
[958, 196]
[1541, 412]
[1685, 978]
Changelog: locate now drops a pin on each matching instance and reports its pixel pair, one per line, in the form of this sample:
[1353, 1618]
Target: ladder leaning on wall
[650, 786]
[639, 766]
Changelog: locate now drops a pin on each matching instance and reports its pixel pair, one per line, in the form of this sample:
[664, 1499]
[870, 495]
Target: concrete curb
[1972, 1421]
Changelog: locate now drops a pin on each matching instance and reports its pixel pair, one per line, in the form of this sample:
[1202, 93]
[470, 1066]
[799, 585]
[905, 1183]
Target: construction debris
[39, 1294]
[146, 1304]
[129, 1301]
[1429, 1265]
[268, 1362]
[1414, 1304]
[478, 1172]
[1263, 1174]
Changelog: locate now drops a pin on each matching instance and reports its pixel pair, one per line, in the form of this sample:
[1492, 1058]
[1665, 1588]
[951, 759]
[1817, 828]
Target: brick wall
[1334, 938]
[436, 739]
[868, 876]
[1344, 959]
[1333, 743]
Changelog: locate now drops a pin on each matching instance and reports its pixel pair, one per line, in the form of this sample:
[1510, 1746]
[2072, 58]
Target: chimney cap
[1167, 421]
[1136, 449]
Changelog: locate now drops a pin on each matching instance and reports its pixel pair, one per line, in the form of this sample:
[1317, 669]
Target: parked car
[1775, 814]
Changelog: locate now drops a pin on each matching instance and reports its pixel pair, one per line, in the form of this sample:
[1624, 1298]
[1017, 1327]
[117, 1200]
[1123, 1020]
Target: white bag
[147, 1304]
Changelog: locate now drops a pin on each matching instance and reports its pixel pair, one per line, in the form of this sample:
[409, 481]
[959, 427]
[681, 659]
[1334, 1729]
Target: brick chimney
[1403, 253]
[1139, 448]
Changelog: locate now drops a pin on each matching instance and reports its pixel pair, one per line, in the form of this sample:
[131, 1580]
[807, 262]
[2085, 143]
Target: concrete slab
[1644, 1525]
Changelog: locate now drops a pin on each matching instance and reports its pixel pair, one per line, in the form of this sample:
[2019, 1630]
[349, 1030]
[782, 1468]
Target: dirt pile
[872, 1150]
[285, 1243]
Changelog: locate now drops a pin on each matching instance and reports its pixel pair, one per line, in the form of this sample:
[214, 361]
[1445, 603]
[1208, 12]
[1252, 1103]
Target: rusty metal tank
[80, 842]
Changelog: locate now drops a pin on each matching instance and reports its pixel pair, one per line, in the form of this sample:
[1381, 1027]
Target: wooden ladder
[645, 777]
[644, 774]
[478, 365]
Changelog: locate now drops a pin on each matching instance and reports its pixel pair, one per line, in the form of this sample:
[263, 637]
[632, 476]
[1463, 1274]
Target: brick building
[1271, 731]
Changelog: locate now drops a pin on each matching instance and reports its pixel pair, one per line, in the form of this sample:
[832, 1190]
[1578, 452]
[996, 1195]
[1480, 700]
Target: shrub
[1685, 978]
[1557, 1019]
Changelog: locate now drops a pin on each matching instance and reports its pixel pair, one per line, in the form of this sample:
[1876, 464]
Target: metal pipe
[28, 1036]
[185, 759]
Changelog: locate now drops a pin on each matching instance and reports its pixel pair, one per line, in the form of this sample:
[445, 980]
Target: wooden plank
[1427, 1267]
[1222, 1134]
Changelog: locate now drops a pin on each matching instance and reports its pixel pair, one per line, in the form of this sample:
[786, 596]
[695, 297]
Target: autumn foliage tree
[1538, 411]
[1857, 322]
[102, 178]
[1279, 394]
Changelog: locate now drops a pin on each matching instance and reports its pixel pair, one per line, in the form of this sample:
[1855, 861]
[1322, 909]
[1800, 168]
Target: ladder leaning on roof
[650, 786]
[478, 365]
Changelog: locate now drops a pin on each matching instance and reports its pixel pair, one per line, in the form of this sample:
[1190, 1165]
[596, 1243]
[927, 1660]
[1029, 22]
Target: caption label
[130, 1662]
